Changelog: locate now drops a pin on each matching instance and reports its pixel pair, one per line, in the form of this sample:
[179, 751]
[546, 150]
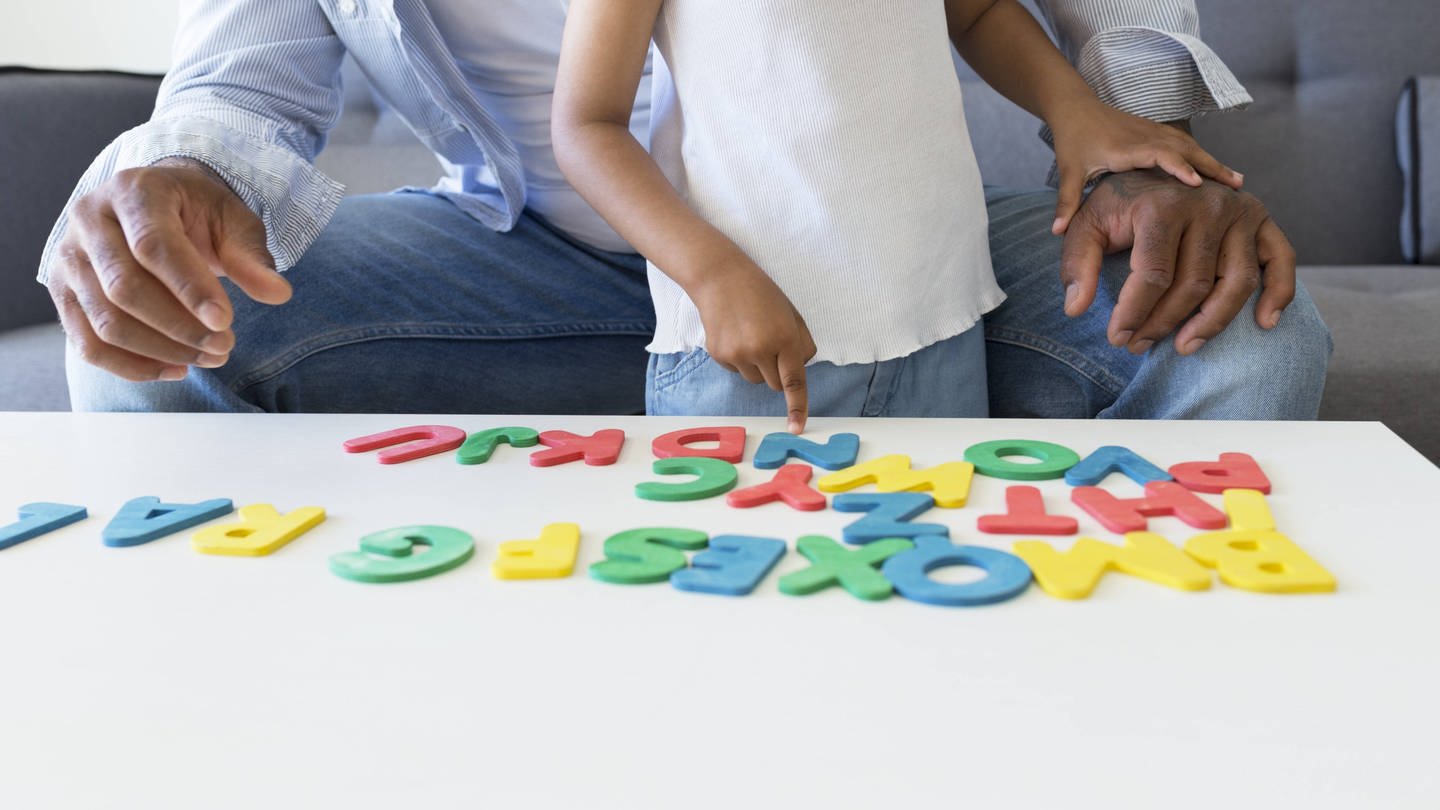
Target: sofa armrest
[54, 124]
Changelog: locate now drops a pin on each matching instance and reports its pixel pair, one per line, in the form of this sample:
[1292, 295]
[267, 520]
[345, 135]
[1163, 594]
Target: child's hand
[1097, 138]
[752, 329]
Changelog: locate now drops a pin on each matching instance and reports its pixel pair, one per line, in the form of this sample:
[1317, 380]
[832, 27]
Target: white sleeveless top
[827, 139]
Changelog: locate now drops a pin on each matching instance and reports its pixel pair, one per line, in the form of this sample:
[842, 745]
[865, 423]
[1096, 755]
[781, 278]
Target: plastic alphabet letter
[948, 484]
[550, 556]
[261, 530]
[889, 516]
[480, 446]
[418, 441]
[1112, 458]
[714, 477]
[790, 485]
[1074, 574]
[989, 459]
[1232, 471]
[1255, 558]
[1006, 576]
[731, 443]
[389, 556]
[1025, 514]
[639, 556]
[1125, 515]
[144, 519]
[732, 566]
[598, 450]
[839, 452]
[851, 569]
[37, 519]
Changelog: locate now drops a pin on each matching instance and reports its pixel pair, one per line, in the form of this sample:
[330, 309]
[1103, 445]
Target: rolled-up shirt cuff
[1155, 74]
[293, 199]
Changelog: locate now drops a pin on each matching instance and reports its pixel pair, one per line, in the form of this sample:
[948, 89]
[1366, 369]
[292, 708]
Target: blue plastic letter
[1007, 576]
[838, 453]
[733, 565]
[144, 519]
[37, 519]
[1111, 458]
[889, 515]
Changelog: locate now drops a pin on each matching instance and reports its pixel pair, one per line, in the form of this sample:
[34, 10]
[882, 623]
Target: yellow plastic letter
[1075, 573]
[551, 556]
[261, 530]
[1253, 556]
[949, 483]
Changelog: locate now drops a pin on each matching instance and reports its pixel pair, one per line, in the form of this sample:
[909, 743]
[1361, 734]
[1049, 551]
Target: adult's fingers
[116, 327]
[1238, 274]
[245, 257]
[1081, 254]
[1152, 270]
[97, 352]
[1195, 272]
[150, 220]
[134, 290]
[1277, 257]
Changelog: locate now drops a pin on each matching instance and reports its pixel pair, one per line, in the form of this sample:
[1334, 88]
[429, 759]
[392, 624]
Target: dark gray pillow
[1417, 130]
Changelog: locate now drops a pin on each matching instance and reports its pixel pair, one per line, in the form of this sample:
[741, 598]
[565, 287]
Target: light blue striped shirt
[256, 85]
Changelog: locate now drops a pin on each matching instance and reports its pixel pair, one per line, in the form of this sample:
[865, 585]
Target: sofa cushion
[1385, 365]
[54, 123]
[32, 376]
[1417, 136]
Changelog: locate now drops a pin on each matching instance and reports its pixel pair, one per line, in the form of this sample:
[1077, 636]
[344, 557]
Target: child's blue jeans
[943, 379]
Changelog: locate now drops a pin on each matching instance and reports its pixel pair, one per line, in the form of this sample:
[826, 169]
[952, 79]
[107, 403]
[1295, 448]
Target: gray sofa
[1318, 146]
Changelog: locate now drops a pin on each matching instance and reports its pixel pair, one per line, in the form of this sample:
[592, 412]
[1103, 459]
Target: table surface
[155, 676]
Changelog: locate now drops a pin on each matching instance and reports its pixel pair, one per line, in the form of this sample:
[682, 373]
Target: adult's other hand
[1197, 255]
[136, 281]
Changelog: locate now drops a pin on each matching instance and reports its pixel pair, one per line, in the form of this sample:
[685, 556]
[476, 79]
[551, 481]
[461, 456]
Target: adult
[501, 291]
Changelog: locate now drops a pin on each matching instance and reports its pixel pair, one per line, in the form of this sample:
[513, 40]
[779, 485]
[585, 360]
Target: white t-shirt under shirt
[828, 141]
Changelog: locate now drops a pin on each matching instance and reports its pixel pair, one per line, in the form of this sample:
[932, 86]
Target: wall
[133, 35]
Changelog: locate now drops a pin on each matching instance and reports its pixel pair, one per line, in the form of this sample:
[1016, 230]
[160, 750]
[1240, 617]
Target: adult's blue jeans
[406, 305]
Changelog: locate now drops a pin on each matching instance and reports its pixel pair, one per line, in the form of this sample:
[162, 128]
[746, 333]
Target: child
[813, 194]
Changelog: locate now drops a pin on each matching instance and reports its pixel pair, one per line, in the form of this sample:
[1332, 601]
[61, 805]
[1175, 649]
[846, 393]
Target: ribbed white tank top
[827, 140]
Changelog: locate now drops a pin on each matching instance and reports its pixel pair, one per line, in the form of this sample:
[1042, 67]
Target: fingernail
[212, 315]
[1273, 319]
[211, 360]
[1239, 176]
[1072, 293]
[795, 427]
[1194, 345]
[1055, 226]
[173, 374]
[1123, 338]
[215, 343]
[1142, 346]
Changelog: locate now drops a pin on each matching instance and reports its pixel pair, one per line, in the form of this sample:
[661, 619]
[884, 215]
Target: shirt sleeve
[254, 88]
[1144, 56]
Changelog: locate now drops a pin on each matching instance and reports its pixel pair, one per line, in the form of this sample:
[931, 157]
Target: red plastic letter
[1025, 514]
[1161, 498]
[1232, 471]
[598, 450]
[419, 441]
[677, 443]
[790, 485]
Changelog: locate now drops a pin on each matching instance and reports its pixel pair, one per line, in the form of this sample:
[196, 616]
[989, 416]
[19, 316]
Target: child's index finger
[797, 393]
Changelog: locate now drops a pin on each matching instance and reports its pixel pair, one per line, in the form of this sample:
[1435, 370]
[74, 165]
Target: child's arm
[1007, 47]
[750, 326]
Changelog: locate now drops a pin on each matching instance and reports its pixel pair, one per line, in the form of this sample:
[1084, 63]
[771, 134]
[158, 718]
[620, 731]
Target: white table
[155, 676]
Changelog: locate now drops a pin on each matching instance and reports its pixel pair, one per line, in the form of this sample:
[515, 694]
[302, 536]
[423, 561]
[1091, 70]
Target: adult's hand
[136, 282]
[1197, 253]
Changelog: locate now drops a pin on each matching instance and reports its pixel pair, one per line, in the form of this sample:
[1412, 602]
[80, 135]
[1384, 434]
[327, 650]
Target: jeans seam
[1059, 353]
[349, 337]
